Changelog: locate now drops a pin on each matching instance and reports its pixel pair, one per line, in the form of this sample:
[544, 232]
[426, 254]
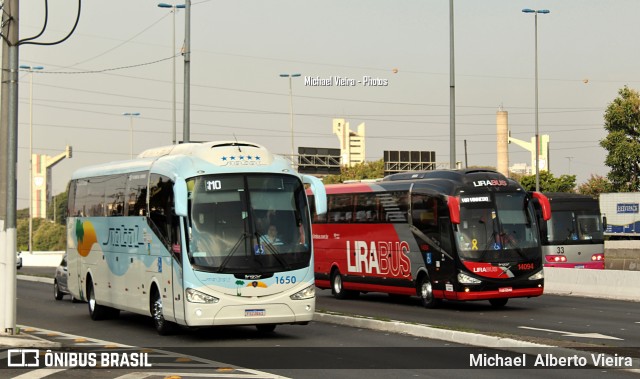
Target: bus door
[430, 225]
[179, 259]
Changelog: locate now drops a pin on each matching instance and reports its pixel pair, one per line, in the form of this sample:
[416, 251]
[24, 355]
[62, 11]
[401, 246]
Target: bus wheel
[336, 286]
[56, 291]
[96, 311]
[266, 328]
[163, 327]
[498, 303]
[425, 292]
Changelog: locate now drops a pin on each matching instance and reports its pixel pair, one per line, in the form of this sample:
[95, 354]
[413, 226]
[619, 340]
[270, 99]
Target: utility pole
[186, 131]
[9, 111]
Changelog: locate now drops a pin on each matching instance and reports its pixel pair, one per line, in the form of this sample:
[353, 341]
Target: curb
[38, 279]
[425, 331]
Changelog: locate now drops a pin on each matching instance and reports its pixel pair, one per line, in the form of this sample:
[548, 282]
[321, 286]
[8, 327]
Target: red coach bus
[444, 234]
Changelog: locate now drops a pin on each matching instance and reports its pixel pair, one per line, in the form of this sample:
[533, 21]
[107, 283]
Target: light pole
[131, 115]
[31, 69]
[174, 9]
[291, 108]
[569, 158]
[535, 13]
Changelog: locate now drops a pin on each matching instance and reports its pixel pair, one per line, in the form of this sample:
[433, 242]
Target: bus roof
[191, 159]
[446, 182]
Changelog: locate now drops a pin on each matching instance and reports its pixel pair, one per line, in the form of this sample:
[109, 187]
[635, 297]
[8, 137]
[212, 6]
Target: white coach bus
[181, 233]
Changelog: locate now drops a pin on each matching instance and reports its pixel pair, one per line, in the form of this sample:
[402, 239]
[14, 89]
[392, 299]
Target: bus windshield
[248, 223]
[497, 227]
[567, 227]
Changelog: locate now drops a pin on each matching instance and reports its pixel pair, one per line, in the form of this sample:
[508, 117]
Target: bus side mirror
[545, 205]
[180, 194]
[454, 209]
[319, 192]
[604, 222]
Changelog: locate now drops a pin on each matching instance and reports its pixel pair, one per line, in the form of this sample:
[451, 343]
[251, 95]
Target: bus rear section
[465, 235]
[574, 236]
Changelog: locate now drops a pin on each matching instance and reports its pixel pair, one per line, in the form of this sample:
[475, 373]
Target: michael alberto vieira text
[550, 360]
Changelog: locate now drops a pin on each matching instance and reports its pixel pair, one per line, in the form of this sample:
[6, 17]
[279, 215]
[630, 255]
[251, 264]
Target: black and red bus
[443, 234]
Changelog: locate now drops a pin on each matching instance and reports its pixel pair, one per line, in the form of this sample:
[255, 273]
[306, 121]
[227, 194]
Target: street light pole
[291, 109]
[31, 69]
[174, 9]
[186, 106]
[131, 115]
[537, 149]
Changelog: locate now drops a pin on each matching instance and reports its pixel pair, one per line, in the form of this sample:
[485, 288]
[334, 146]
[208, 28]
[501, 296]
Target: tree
[365, 170]
[622, 121]
[595, 186]
[49, 237]
[548, 183]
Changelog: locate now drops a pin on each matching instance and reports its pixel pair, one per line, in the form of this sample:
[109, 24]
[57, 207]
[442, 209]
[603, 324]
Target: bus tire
[337, 289]
[56, 291]
[266, 328]
[163, 327]
[425, 293]
[96, 311]
[499, 302]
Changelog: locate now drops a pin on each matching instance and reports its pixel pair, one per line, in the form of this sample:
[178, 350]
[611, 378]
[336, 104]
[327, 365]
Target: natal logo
[86, 236]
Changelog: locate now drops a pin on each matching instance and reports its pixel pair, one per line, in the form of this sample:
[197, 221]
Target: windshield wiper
[243, 236]
[272, 249]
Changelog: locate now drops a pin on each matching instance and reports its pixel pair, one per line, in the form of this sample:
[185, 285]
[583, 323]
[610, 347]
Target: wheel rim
[157, 312]
[55, 289]
[337, 283]
[426, 291]
[92, 300]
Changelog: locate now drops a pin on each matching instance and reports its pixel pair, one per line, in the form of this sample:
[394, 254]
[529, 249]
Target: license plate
[505, 289]
[254, 312]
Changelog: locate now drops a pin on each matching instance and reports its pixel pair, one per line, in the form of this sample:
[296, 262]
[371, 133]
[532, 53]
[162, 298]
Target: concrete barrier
[606, 284]
[622, 255]
[41, 258]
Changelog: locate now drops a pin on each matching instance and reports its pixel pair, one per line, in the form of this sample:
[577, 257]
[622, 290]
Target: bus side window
[136, 195]
[161, 210]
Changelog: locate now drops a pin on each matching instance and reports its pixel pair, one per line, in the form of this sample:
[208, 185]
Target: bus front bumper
[297, 312]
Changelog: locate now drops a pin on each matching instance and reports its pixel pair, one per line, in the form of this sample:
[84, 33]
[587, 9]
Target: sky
[118, 60]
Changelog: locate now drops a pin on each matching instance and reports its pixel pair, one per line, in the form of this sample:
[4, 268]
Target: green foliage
[46, 236]
[622, 121]
[49, 236]
[595, 186]
[365, 170]
[548, 183]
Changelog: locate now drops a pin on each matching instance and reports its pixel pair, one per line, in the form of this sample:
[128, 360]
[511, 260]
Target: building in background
[41, 190]
[352, 146]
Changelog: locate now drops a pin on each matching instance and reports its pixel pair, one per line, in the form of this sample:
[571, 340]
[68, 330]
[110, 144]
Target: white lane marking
[40, 373]
[572, 334]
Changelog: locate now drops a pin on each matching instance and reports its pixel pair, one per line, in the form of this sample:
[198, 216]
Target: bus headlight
[194, 296]
[537, 276]
[306, 293]
[466, 279]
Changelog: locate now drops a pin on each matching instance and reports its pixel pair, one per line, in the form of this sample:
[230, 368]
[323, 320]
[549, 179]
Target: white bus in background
[179, 234]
